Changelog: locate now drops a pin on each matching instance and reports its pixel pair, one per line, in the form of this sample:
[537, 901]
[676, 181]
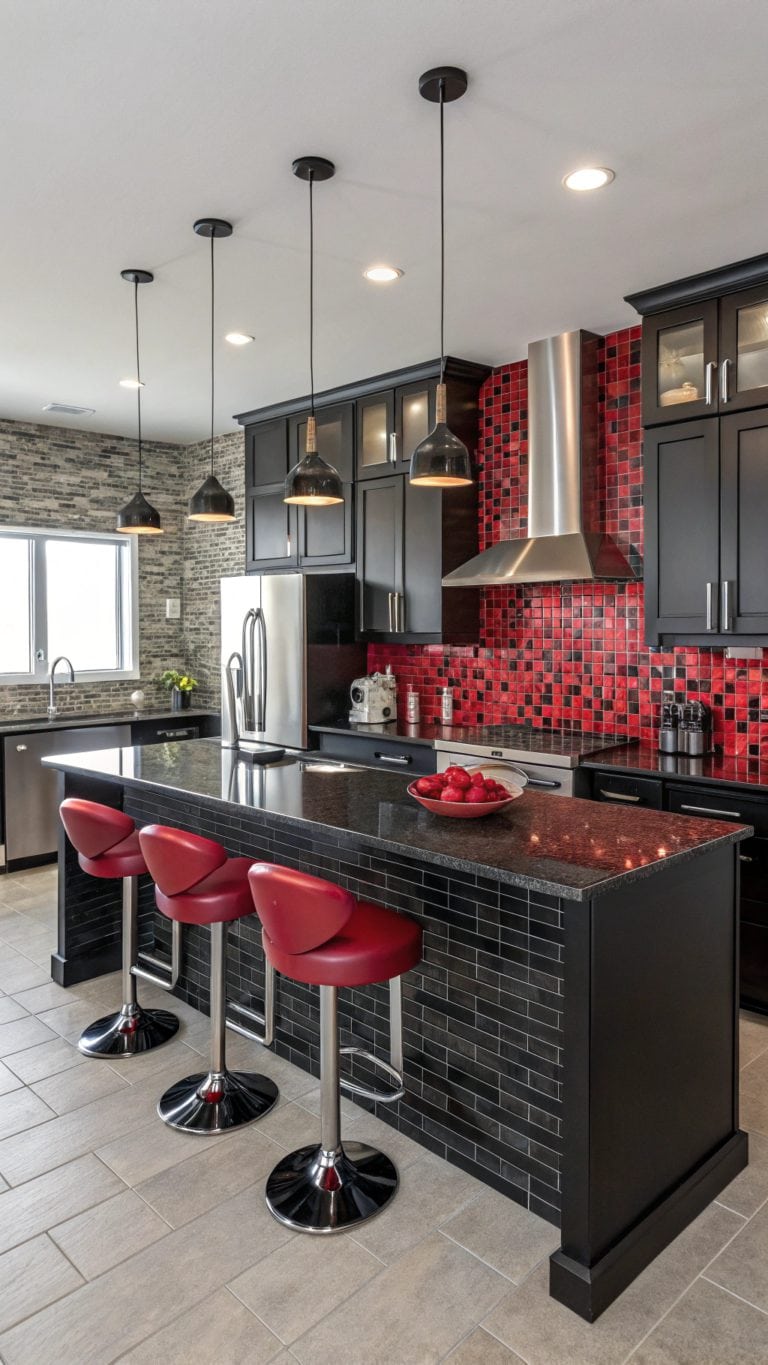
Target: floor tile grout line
[515, 1350]
[59, 1298]
[717, 1285]
[489, 1264]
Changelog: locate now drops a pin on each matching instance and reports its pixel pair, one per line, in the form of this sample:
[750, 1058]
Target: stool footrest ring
[380, 1096]
[267, 1019]
[166, 983]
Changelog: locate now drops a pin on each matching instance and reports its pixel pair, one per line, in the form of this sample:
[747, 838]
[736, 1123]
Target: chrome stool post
[133, 1029]
[331, 1187]
[219, 1099]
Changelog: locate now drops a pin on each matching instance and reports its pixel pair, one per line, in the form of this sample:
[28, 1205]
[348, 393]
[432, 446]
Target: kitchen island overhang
[571, 1034]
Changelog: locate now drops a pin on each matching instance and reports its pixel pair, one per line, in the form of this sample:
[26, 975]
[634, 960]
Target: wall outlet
[173, 608]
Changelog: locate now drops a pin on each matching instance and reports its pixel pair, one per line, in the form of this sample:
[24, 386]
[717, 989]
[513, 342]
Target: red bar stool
[108, 846]
[317, 933]
[196, 883]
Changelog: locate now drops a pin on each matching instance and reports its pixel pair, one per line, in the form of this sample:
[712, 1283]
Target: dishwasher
[31, 791]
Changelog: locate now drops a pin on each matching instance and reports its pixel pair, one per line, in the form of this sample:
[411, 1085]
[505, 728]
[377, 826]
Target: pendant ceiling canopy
[138, 517]
[212, 502]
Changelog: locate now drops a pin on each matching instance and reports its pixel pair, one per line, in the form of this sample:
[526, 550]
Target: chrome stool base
[216, 1101]
[315, 1191]
[131, 1030]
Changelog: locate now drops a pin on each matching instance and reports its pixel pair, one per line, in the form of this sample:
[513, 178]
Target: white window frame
[126, 605]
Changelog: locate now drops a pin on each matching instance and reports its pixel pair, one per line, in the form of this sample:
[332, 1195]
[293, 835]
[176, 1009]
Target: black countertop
[715, 769]
[563, 744]
[558, 845]
[21, 725]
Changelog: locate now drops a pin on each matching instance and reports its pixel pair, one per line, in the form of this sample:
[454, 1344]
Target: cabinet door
[680, 364]
[422, 610]
[379, 553]
[682, 514]
[744, 350]
[266, 453]
[326, 534]
[414, 419]
[376, 440]
[270, 530]
[744, 543]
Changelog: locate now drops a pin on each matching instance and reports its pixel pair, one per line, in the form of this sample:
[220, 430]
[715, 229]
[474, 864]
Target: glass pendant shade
[313, 482]
[441, 460]
[139, 518]
[211, 502]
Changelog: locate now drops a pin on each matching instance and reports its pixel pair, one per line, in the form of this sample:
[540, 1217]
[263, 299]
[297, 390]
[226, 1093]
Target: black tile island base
[571, 1034]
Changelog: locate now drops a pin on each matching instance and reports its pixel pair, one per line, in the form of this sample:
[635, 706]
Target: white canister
[446, 706]
[412, 705]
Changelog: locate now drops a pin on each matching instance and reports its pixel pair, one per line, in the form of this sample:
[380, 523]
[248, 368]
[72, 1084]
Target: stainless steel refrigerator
[288, 656]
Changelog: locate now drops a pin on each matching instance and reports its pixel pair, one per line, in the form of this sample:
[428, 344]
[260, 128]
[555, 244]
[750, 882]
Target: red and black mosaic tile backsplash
[571, 655]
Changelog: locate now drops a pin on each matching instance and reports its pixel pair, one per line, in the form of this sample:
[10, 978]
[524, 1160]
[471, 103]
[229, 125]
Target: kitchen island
[570, 1035]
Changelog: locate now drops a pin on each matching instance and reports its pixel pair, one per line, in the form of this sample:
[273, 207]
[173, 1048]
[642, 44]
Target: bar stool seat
[319, 934]
[196, 883]
[374, 945]
[107, 846]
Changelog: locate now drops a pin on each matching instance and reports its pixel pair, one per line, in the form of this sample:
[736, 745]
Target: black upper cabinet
[325, 535]
[266, 453]
[380, 564]
[682, 562]
[744, 350]
[270, 530]
[390, 425]
[679, 359]
[743, 539]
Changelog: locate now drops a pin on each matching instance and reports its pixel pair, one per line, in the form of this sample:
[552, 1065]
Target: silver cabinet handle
[712, 810]
[711, 599]
[21, 748]
[390, 603]
[709, 376]
[617, 796]
[399, 613]
[402, 759]
[541, 782]
[724, 368]
[174, 734]
[744, 858]
[392, 447]
[725, 605]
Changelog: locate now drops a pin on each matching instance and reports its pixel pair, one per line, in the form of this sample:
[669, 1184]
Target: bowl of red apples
[463, 793]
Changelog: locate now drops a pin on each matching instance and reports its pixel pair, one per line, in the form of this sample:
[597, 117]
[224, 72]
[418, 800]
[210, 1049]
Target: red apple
[452, 794]
[478, 780]
[476, 795]
[427, 786]
[461, 779]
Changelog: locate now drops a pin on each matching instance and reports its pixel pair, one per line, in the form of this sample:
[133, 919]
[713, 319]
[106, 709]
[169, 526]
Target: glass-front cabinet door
[744, 350]
[376, 442]
[680, 364]
[414, 418]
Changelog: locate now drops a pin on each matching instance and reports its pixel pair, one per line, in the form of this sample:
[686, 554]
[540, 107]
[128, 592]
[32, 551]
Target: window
[63, 592]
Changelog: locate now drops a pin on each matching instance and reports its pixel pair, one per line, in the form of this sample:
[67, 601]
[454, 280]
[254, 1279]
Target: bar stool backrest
[177, 861]
[297, 911]
[93, 828]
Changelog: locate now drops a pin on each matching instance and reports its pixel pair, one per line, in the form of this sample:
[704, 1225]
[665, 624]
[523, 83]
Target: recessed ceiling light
[589, 178]
[238, 338]
[132, 383]
[383, 274]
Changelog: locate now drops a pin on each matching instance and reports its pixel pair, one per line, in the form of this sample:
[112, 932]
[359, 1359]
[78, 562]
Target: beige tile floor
[123, 1240]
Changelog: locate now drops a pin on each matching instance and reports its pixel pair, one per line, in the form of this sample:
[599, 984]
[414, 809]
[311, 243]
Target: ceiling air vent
[69, 410]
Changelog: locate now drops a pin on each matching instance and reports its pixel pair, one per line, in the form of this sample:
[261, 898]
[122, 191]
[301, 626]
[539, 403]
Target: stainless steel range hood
[564, 541]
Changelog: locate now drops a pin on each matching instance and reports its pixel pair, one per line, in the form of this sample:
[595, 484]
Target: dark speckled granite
[711, 768]
[24, 726]
[562, 744]
[558, 845]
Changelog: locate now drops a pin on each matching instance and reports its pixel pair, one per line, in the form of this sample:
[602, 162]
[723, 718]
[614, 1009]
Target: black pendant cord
[442, 232]
[311, 297]
[213, 379]
[138, 370]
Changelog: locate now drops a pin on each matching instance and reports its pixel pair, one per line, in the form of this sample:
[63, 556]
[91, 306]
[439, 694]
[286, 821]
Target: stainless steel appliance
[31, 791]
[548, 759]
[374, 699]
[564, 540]
[288, 655]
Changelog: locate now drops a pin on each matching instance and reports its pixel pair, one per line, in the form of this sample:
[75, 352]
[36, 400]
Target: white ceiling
[122, 123]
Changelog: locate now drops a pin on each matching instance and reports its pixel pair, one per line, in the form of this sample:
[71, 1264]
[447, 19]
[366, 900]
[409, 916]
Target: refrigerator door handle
[249, 667]
[261, 714]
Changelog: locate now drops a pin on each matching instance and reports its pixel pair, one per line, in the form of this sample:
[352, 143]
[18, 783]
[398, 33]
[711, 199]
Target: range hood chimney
[563, 542]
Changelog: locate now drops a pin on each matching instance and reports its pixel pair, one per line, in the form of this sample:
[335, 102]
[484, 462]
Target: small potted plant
[181, 686]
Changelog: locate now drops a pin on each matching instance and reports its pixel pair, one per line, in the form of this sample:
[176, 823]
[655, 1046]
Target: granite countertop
[20, 725]
[644, 761]
[534, 740]
[559, 845]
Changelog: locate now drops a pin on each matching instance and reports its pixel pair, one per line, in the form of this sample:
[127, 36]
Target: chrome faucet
[62, 659]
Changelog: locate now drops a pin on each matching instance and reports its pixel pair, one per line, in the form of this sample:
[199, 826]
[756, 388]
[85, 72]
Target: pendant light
[138, 517]
[211, 502]
[313, 482]
[441, 460]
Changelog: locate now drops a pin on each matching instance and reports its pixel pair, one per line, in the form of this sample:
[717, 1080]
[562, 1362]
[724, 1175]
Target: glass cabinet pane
[415, 421]
[752, 347]
[680, 363]
[374, 436]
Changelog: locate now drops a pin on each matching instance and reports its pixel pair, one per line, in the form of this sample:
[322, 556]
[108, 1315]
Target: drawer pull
[745, 858]
[542, 782]
[404, 759]
[174, 734]
[618, 796]
[712, 810]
